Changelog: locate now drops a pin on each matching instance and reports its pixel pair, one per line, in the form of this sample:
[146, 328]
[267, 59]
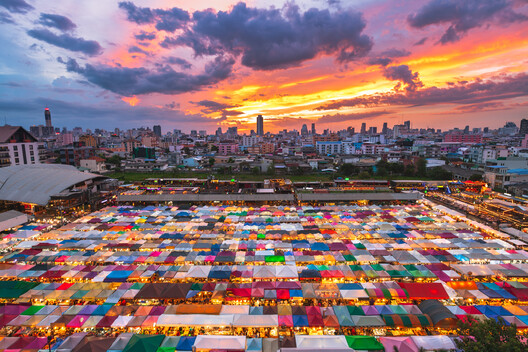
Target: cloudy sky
[188, 65]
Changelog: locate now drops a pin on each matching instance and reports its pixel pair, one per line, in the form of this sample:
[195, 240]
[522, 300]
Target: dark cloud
[166, 20]
[130, 81]
[352, 117]
[480, 107]
[66, 41]
[57, 21]
[407, 79]
[145, 36]
[461, 16]
[268, 39]
[6, 18]
[137, 49]
[139, 15]
[463, 93]
[421, 41]
[184, 64]
[16, 6]
[395, 53]
[212, 107]
[386, 57]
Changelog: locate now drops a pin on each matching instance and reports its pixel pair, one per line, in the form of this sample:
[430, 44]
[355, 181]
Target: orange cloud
[132, 101]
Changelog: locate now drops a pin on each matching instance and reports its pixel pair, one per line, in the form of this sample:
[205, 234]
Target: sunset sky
[202, 64]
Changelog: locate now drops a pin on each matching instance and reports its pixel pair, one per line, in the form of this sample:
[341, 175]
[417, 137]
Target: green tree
[490, 335]
[409, 170]
[475, 177]
[421, 167]
[255, 170]
[437, 173]
[214, 148]
[211, 161]
[348, 169]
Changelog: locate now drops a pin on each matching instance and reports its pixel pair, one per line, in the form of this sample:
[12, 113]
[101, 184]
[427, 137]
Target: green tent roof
[365, 343]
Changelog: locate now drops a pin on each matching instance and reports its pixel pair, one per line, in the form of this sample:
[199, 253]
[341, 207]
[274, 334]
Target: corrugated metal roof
[37, 183]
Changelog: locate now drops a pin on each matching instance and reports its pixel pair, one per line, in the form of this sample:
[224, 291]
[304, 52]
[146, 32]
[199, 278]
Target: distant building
[157, 130]
[18, 147]
[260, 125]
[94, 164]
[74, 155]
[227, 148]
[523, 130]
[144, 153]
[313, 128]
[88, 140]
[463, 138]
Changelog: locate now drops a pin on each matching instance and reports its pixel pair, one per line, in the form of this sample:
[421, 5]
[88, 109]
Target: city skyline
[439, 64]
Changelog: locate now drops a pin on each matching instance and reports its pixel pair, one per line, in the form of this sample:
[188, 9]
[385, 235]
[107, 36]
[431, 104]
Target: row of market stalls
[264, 292]
[130, 342]
[246, 273]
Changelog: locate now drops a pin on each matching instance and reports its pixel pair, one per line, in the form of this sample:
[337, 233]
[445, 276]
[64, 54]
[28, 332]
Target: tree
[437, 173]
[490, 335]
[214, 148]
[348, 169]
[421, 167]
[475, 177]
[211, 161]
[255, 170]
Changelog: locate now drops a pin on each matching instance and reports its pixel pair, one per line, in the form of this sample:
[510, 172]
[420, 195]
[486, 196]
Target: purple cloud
[461, 16]
[268, 39]
[463, 93]
[407, 79]
[66, 41]
[57, 21]
[166, 20]
[352, 117]
[16, 6]
[164, 80]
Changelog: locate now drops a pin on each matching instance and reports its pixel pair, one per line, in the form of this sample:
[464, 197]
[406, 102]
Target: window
[15, 147]
[16, 153]
[32, 158]
[31, 147]
[16, 160]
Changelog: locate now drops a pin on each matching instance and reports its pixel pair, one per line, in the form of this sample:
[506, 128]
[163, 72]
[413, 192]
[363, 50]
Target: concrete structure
[260, 125]
[19, 146]
[11, 219]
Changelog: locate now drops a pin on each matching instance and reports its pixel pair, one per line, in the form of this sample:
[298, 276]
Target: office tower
[524, 127]
[363, 128]
[219, 131]
[157, 130]
[194, 133]
[466, 130]
[407, 125]
[304, 130]
[373, 130]
[313, 128]
[385, 128]
[47, 116]
[260, 125]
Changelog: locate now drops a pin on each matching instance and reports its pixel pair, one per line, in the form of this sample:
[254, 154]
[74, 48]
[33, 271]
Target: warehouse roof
[37, 183]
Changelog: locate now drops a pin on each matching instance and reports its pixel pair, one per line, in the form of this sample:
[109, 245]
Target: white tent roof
[433, 343]
[321, 342]
[220, 342]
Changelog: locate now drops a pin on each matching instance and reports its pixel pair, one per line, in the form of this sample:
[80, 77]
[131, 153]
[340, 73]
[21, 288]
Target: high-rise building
[373, 130]
[363, 128]
[260, 125]
[313, 128]
[407, 125]
[157, 130]
[385, 128]
[524, 127]
[304, 130]
[47, 116]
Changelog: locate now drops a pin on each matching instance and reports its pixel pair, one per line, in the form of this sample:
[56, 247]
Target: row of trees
[388, 170]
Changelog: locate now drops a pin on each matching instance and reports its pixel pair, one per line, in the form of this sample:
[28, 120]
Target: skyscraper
[385, 128]
[47, 116]
[363, 128]
[157, 130]
[260, 125]
[304, 130]
[313, 128]
[524, 127]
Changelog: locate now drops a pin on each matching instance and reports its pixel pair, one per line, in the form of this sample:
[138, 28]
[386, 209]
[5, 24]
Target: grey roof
[10, 214]
[203, 197]
[37, 183]
[344, 196]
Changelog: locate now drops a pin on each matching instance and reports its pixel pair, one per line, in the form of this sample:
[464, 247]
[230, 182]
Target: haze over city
[202, 65]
